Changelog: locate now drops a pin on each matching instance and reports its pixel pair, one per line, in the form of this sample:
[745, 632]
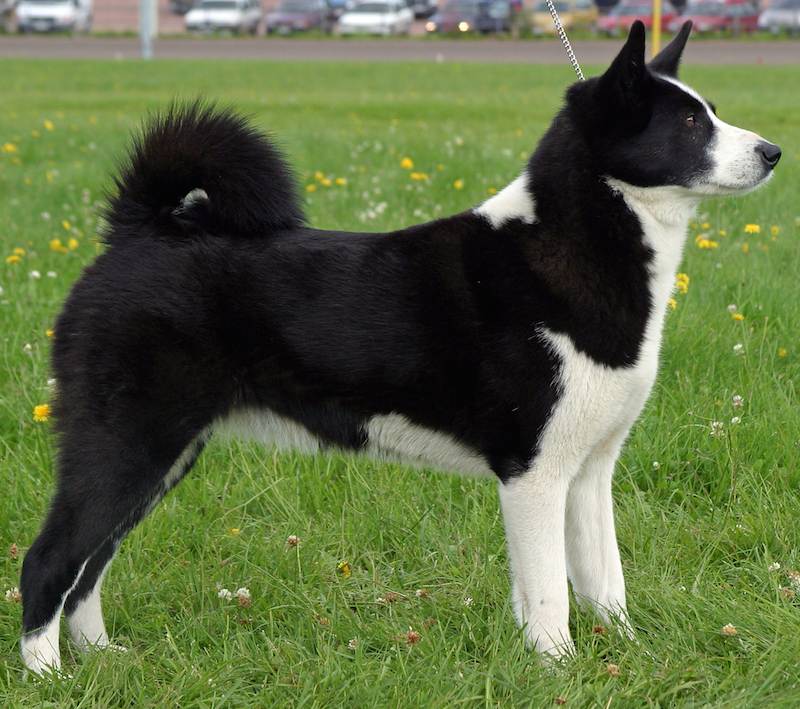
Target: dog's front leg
[533, 508]
[593, 560]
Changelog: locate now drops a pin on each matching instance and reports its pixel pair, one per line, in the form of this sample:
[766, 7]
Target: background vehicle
[718, 17]
[573, 13]
[232, 15]
[377, 17]
[471, 16]
[180, 7]
[422, 8]
[54, 16]
[781, 15]
[299, 15]
[621, 17]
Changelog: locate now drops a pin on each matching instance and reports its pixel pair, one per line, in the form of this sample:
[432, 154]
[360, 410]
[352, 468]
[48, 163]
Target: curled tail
[201, 167]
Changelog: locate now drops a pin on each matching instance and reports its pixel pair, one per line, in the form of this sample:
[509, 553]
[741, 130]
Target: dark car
[299, 16]
[422, 8]
[471, 16]
[622, 16]
[718, 17]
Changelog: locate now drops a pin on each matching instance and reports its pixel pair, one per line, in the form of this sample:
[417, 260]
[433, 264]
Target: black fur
[197, 310]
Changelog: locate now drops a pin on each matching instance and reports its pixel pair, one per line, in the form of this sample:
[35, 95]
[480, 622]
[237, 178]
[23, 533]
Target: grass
[698, 530]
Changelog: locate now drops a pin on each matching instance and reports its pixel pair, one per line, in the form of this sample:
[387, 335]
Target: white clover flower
[732, 308]
[13, 595]
[35, 275]
[736, 420]
[737, 401]
[51, 274]
[656, 465]
[243, 594]
[468, 601]
[774, 566]
[352, 643]
[738, 348]
[224, 594]
[717, 429]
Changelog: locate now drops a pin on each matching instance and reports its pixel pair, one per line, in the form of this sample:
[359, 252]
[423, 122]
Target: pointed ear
[669, 58]
[624, 85]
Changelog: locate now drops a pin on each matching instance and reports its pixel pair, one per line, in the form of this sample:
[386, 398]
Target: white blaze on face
[737, 165]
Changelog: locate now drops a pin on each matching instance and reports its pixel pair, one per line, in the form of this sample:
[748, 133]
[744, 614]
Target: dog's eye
[690, 120]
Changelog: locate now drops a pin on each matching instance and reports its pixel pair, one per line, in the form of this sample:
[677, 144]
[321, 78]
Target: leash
[562, 35]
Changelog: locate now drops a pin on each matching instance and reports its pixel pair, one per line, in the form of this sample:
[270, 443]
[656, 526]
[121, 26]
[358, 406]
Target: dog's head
[648, 129]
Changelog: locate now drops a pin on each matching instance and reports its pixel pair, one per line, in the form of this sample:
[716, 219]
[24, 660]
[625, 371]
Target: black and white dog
[519, 338]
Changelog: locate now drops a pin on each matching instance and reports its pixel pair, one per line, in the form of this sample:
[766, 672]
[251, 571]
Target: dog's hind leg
[82, 606]
[105, 487]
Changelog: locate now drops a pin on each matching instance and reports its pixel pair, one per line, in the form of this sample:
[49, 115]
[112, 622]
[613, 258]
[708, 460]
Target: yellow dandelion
[407, 163]
[706, 243]
[326, 182]
[491, 191]
[14, 258]
[56, 245]
[672, 303]
[682, 283]
[41, 413]
[48, 124]
[419, 176]
[722, 232]
[774, 230]
[737, 316]
[9, 148]
[19, 251]
[234, 531]
[745, 248]
[439, 167]
[458, 184]
[49, 332]
[311, 188]
[319, 175]
[343, 567]
[705, 225]
[65, 223]
[752, 229]
[782, 352]
[73, 244]
[341, 181]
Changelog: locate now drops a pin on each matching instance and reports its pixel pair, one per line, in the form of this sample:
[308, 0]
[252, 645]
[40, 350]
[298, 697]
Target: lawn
[708, 524]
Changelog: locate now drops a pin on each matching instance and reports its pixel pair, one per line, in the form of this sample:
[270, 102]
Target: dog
[519, 339]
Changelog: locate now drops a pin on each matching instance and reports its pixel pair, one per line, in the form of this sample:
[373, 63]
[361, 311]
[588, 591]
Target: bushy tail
[201, 167]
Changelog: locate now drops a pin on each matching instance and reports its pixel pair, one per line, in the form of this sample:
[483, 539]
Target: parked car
[782, 15]
[54, 16]
[573, 13]
[299, 15]
[422, 8]
[385, 17]
[338, 7]
[718, 17]
[180, 7]
[621, 17]
[471, 16]
[236, 16]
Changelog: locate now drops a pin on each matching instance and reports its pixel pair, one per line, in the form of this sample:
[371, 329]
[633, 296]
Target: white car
[781, 15]
[54, 16]
[377, 17]
[231, 15]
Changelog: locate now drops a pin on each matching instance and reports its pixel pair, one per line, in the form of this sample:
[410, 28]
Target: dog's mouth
[712, 189]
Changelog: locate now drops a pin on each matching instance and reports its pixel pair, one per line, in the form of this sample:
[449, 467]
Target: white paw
[40, 655]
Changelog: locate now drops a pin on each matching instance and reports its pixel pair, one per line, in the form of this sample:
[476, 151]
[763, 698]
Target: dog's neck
[670, 206]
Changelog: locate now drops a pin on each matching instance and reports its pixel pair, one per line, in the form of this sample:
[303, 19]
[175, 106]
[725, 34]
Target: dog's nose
[770, 153]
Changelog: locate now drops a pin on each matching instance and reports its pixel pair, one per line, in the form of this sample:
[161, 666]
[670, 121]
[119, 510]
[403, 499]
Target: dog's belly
[389, 437]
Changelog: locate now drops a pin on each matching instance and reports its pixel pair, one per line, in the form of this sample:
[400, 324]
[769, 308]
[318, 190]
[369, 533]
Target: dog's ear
[669, 58]
[623, 87]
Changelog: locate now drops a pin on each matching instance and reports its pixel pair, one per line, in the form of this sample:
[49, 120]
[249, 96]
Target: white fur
[559, 514]
[394, 437]
[40, 651]
[737, 165]
[389, 437]
[86, 624]
[196, 195]
[512, 202]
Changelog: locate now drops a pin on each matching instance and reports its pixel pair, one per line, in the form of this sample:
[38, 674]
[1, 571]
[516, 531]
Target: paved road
[488, 50]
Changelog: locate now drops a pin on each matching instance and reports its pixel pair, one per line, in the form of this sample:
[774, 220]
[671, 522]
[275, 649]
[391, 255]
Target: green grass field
[703, 519]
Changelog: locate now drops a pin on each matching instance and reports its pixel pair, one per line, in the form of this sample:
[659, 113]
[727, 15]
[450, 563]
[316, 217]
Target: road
[380, 50]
